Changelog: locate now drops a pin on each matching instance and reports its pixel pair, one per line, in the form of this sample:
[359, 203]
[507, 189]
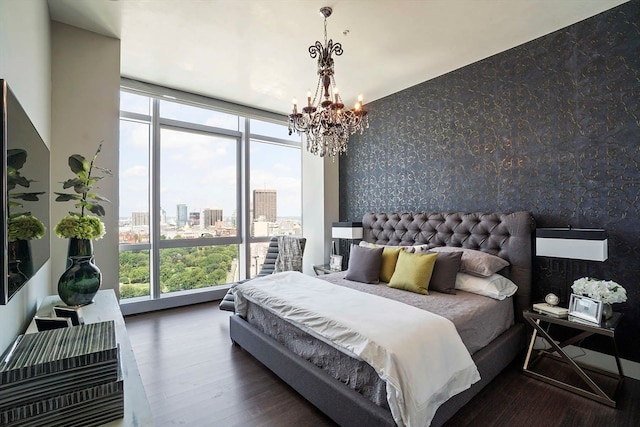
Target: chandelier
[324, 121]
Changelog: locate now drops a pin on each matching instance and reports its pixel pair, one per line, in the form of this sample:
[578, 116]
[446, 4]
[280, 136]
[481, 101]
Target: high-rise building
[194, 218]
[181, 215]
[210, 216]
[265, 205]
[139, 218]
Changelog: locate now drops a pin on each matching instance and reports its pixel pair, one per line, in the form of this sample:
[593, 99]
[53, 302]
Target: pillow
[495, 286]
[389, 260]
[364, 264]
[476, 262]
[445, 270]
[407, 248]
[413, 272]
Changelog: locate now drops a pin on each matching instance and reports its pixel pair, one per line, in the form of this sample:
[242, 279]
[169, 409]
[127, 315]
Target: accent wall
[551, 127]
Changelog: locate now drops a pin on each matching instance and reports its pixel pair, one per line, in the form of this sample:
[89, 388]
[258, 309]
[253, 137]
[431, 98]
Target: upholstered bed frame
[507, 235]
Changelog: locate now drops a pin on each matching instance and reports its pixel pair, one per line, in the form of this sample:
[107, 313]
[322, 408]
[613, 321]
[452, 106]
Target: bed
[353, 401]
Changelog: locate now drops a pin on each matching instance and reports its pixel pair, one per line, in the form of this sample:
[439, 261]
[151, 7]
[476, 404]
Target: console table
[137, 412]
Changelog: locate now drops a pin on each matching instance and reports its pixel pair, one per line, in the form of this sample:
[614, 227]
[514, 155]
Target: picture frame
[335, 262]
[70, 312]
[583, 308]
[50, 323]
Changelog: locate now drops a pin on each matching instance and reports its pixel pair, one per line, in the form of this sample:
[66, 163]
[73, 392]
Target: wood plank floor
[194, 376]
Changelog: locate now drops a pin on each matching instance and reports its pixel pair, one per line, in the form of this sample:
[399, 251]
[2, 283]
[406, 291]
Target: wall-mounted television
[24, 233]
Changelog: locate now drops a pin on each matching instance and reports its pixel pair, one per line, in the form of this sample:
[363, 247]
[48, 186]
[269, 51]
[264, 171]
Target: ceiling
[255, 52]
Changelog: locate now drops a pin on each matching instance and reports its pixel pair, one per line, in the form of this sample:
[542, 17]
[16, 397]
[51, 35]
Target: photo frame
[585, 309]
[70, 312]
[49, 323]
[335, 262]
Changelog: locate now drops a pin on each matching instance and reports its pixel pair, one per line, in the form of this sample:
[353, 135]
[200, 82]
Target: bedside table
[556, 351]
[323, 269]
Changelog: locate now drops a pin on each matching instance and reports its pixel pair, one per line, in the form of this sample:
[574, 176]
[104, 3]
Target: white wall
[319, 206]
[85, 102]
[25, 64]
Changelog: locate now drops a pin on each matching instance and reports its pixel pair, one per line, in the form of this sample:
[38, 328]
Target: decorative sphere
[551, 299]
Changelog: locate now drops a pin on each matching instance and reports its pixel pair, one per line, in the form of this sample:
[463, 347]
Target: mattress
[477, 319]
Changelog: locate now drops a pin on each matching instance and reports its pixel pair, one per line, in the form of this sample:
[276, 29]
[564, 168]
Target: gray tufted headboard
[507, 235]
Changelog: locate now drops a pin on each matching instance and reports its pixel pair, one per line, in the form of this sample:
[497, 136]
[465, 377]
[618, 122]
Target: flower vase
[15, 277]
[20, 251]
[79, 247]
[80, 282]
[607, 311]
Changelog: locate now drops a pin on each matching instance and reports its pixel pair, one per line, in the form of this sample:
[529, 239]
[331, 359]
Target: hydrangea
[25, 227]
[606, 291]
[80, 227]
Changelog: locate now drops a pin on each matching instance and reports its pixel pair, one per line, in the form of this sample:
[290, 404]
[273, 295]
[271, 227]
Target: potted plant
[80, 282]
[22, 227]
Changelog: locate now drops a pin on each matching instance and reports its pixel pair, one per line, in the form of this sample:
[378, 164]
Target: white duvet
[418, 354]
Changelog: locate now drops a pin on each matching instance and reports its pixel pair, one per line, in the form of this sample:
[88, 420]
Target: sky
[200, 170]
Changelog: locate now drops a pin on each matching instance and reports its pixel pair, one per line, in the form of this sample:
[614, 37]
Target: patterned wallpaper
[551, 127]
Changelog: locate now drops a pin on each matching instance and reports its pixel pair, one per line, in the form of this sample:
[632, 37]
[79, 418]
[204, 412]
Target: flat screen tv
[24, 235]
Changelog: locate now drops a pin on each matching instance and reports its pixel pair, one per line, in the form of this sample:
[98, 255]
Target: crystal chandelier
[324, 121]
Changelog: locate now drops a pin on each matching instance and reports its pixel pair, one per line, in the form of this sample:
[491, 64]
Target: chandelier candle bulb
[309, 99]
[295, 106]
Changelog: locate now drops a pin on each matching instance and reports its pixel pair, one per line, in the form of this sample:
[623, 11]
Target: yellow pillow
[413, 272]
[389, 259]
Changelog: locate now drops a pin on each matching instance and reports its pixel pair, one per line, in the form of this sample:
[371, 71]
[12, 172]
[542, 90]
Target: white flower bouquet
[607, 291]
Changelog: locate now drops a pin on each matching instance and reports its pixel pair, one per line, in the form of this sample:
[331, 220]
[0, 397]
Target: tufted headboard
[507, 235]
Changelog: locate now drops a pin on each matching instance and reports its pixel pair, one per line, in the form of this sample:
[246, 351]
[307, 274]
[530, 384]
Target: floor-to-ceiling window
[201, 193]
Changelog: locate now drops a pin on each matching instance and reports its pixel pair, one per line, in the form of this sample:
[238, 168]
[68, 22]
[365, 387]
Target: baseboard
[599, 360]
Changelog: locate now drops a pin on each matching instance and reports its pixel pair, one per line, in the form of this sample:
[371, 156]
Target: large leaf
[72, 183]
[16, 157]
[63, 197]
[28, 197]
[78, 164]
[98, 197]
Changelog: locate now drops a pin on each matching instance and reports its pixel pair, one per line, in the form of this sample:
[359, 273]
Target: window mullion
[154, 203]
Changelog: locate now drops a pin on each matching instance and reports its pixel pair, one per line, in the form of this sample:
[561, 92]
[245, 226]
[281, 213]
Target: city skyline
[200, 170]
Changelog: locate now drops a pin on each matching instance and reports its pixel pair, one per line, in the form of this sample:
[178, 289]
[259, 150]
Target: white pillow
[495, 286]
[413, 249]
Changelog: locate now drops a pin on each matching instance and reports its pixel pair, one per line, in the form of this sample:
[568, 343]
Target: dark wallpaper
[551, 127]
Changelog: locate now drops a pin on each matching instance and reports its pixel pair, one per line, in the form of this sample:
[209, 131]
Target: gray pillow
[443, 278]
[364, 264]
[476, 262]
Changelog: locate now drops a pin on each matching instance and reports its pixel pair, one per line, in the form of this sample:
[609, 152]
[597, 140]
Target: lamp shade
[588, 244]
[346, 230]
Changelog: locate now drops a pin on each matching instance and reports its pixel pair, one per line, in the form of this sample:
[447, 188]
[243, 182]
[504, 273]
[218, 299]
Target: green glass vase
[80, 282]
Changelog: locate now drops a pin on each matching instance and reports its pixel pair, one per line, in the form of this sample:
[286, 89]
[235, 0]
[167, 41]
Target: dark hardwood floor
[194, 376]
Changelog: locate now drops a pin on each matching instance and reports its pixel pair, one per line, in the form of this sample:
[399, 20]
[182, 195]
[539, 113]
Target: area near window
[201, 193]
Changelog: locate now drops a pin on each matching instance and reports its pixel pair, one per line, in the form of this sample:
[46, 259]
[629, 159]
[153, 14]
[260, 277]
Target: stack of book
[62, 377]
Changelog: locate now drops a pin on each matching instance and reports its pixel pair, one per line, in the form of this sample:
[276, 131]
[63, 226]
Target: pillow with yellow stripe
[413, 272]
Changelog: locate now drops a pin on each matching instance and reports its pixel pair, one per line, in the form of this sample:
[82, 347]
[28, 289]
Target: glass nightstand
[555, 350]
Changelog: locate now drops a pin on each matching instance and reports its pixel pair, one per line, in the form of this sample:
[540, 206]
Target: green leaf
[28, 197]
[16, 158]
[72, 183]
[62, 197]
[98, 197]
[78, 164]
[96, 209]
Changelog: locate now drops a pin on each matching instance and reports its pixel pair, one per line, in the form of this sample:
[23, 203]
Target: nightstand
[323, 269]
[555, 350]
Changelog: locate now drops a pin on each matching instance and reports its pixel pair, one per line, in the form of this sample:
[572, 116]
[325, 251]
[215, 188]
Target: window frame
[243, 136]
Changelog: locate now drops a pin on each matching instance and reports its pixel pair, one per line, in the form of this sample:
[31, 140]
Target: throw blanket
[418, 354]
[289, 254]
